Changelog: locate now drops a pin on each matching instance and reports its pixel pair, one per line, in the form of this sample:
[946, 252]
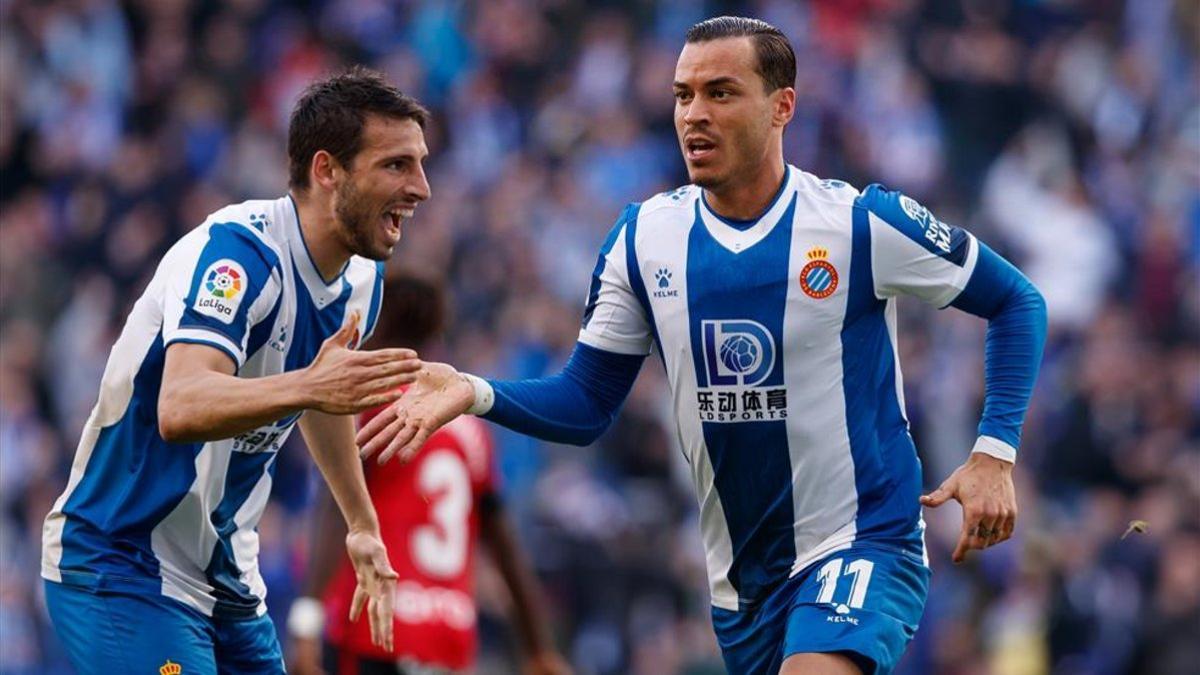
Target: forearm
[514, 568]
[210, 405]
[575, 406]
[1016, 334]
[330, 440]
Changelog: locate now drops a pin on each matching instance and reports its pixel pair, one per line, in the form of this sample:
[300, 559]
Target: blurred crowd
[1066, 133]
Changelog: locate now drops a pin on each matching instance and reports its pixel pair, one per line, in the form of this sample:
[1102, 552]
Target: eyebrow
[711, 83]
[407, 156]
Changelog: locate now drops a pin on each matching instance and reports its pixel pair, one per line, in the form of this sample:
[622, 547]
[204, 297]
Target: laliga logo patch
[819, 278]
[740, 352]
[221, 291]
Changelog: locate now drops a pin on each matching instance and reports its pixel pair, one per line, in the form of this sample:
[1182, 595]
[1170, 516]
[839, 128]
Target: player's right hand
[344, 381]
[440, 394]
[376, 585]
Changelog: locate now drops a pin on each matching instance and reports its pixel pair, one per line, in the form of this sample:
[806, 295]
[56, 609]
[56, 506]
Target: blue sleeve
[1016, 315]
[576, 405]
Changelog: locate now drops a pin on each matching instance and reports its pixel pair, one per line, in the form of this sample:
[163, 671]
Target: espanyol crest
[737, 352]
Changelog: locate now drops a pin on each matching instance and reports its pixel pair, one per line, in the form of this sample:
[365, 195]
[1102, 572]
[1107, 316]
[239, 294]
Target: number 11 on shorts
[828, 576]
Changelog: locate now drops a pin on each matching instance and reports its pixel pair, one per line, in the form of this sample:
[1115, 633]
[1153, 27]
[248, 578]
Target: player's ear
[324, 169]
[784, 105]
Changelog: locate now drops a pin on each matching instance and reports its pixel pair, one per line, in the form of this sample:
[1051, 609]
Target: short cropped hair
[776, 58]
[416, 314]
[331, 114]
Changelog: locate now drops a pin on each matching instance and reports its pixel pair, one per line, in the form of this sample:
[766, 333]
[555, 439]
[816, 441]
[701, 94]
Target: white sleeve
[914, 253]
[217, 288]
[614, 320]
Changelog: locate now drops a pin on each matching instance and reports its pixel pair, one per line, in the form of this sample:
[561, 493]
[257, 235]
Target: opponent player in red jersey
[431, 510]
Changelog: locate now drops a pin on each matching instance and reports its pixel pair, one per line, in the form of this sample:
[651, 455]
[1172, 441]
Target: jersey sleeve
[614, 319]
[914, 253]
[219, 288]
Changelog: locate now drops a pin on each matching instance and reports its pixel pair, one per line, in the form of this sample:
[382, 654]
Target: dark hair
[413, 314]
[331, 114]
[776, 58]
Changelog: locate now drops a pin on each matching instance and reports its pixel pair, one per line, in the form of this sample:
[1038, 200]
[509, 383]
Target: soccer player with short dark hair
[769, 295]
[248, 328]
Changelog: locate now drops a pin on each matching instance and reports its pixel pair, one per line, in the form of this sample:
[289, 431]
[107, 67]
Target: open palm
[439, 395]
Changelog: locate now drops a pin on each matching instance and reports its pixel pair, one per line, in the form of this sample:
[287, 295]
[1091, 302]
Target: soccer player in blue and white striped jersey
[770, 297]
[247, 329]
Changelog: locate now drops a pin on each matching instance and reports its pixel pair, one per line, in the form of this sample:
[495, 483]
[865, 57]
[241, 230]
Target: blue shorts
[107, 632]
[864, 602]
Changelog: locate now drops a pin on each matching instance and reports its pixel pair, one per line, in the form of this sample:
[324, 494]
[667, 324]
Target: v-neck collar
[734, 235]
[322, 292]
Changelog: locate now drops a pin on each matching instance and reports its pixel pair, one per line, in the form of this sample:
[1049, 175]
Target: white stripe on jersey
[824, 495]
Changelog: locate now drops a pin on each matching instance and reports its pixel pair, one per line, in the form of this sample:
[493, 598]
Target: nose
[695, 112]
[418, 188]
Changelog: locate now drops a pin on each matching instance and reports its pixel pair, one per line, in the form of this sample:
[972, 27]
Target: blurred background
[1065, 133]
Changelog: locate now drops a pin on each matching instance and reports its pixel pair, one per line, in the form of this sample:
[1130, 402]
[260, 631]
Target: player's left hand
[546, 663]
[984, 487]
[376, 584]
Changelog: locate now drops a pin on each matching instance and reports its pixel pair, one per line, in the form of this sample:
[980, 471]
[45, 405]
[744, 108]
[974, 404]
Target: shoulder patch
[222, 287]
[917, 223]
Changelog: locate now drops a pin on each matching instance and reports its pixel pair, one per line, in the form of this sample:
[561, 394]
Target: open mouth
[699, 148]
[391, 223]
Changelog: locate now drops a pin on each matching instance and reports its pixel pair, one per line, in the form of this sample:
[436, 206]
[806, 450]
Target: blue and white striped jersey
[144, 515]
[779, 340]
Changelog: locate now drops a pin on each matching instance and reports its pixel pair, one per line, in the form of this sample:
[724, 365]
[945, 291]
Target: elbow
[1036, 304]
[173, 422]
[588, 435]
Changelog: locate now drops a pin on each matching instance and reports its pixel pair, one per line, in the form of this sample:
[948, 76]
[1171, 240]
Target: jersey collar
[736, 235]
[322, 292]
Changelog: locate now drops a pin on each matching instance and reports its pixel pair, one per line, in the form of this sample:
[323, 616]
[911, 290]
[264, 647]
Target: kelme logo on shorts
[222, 288]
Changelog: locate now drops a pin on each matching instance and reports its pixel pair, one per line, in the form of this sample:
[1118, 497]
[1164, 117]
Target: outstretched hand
[376, 585]
[341, 380]
[984, 487]
[439, 395]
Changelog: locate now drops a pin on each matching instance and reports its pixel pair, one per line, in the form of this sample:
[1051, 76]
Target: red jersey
[429, 518]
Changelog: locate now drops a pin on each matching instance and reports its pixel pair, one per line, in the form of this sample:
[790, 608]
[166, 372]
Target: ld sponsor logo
[739, 352]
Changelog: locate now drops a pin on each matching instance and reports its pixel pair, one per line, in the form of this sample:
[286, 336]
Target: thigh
[864, 602]
[104, 632]
[752, 641]
[248, 646]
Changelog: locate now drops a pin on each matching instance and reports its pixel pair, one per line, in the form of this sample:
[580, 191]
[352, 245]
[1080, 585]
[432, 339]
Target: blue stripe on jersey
[234, 599]
[232, 241]
[132, 481]
[917, 223]
[887, 473]
[313, 326]
[262, 331]
[628, 214]
[752, 469]
[376, 302]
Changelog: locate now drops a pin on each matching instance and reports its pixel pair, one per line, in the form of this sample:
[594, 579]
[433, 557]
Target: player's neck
[319, 228]
[750, 197]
